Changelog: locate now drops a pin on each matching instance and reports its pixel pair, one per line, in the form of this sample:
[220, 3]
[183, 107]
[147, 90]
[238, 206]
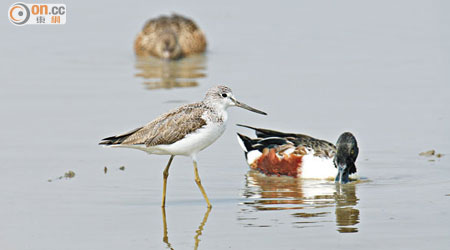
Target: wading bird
[186, 131]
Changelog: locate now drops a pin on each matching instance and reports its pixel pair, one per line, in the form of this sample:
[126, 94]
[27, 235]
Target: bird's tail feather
[263, 133]
[245, 143]
[117, 139]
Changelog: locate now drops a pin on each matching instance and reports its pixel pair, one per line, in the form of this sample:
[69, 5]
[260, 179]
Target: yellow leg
[199, 184]
[166, 175]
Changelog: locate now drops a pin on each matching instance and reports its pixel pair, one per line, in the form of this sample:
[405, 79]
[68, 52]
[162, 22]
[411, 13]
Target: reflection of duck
[297, 155]
[346, 213]
[171, 74]
[198, 232]
[310, 202]
[170, 37]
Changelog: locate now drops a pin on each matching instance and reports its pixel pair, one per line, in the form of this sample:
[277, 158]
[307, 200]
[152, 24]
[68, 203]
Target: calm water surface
[377, 69]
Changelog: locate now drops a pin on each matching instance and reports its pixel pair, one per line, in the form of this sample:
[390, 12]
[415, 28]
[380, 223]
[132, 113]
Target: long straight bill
[245, 106]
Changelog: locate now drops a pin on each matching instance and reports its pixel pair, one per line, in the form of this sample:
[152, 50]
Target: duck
[299, 155]
[170, 37]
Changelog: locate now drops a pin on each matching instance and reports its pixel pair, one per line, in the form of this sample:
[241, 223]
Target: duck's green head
[346, 154]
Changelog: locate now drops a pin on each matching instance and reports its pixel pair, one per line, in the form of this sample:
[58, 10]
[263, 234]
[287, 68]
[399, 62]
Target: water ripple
[308, 203]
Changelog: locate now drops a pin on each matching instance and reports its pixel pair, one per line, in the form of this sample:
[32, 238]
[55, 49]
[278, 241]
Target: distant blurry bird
[170, 37]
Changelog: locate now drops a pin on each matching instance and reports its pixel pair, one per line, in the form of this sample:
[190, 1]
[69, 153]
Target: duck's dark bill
[342, 176]
[245, 106]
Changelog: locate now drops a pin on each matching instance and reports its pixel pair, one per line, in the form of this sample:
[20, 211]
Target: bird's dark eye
[224, 95]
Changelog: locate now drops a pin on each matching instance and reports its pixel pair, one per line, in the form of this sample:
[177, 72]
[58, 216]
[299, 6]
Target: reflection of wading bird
[170, 37]
[297, 155]
[183, 131]
[198, 231]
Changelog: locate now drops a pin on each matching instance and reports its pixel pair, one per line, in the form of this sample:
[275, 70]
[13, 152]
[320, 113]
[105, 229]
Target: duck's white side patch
[314, 167]
[253, 156]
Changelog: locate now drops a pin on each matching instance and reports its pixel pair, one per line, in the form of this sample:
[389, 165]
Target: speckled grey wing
[166, 129]
[321, 148]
